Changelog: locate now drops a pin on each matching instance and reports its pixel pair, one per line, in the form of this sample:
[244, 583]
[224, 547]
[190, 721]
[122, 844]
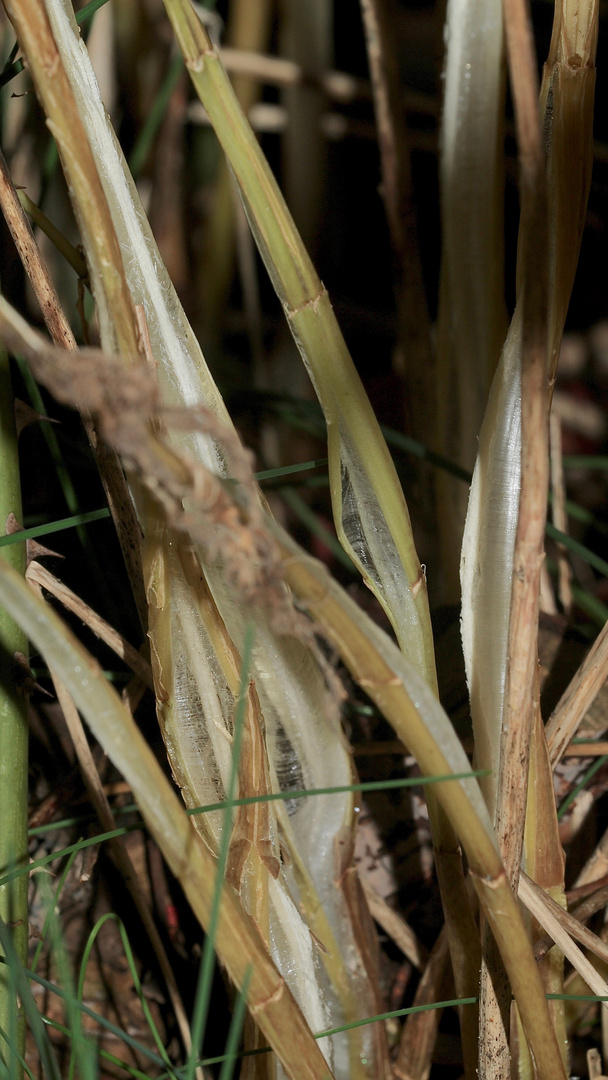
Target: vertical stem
[13, 724]
[522, 648]
[462, 934]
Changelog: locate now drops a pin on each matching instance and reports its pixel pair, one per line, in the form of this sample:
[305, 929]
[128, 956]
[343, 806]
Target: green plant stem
[359, 461]
[13, 723]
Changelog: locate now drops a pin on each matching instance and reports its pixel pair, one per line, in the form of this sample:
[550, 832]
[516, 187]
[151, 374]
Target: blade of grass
[14, 67]
[42, 578]
[82, 1051]
[79, 994]
[540, 906]
[100, 803]
[53, 527]
[52, 907]
[43, 1043]
[234, 1032]
[71, 254]
[590, 773]
[545, 864]
[101, 1021]
[144, 141]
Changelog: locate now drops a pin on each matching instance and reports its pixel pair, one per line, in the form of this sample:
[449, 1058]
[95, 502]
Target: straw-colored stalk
[37, 576]
[398, 197]
[247, 31]
[382, 543]
[419, 384]
[513, 725]
[419, 1032]
[194, 658]
[112, 476]
[529, 538]
[370, 513]
[577, 698]
[385, 682]
[567, 99]
[238, 943]
[503, 700]
[544, 862]
[546, 291]
[379, 667]
[52, 87]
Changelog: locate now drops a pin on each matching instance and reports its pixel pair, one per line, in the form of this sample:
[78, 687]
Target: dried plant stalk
[577, 698]
[419, 368]
[545, 864]
[237, 941]
[503, 694]
[420, 1029]
[541, 907]
[112, 476]
[194, 678]
[36, 577]
[370, 513]
[393, 685]
[115, 641]
[379, 667]
[410, 296]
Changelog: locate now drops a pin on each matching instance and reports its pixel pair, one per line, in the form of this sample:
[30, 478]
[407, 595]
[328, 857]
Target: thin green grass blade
[51, 909]
[45, 860]
[111, 916]
[234, 1032]
[104, 1055]
[82, 1054]
[14, 67]
[155, 117]
[590, 773]
[585, 461]
[65, 480]
[288, 470]
[54, 526]
[97, 1018]
[17, 1061]
[312, 522]
[45, 1049]
[282, 796]
[575, 546]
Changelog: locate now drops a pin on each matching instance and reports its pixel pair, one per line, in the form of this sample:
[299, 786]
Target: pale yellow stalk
[370, 513]
[237, 941]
